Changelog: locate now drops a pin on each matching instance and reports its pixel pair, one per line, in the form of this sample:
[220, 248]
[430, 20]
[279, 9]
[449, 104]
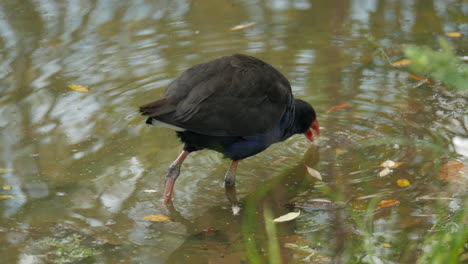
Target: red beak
[314, 128]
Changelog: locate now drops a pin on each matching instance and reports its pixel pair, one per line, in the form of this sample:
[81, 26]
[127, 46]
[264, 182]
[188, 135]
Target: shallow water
[78, 163]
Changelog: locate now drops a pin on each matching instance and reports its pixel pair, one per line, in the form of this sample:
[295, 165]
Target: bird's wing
[231, 96]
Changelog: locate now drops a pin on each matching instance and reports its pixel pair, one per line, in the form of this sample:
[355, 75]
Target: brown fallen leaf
[417, 78]
[403, 183]
[453, 34]
[337, 107]
[386, 203]
[314, 173]
[452, 171]
[78, 88]
[242, 26]
[402, 62]
[157, 218]
[287, 217]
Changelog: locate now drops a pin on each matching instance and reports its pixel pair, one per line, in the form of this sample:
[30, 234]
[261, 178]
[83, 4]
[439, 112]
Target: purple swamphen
[237, 105]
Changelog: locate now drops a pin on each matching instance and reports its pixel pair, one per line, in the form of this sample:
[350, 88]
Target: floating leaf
[2, 197]
[417, 78]
[157, 218]
[402, 62]
[339, 151]
[337, 107]
[390, 164]
[453, 34]
[403, 183]
[314, 173]
[78, 88]
[150, 191]
[241, 26]
[287, 217]
[386, 203]
[384, 172]
[6, 188]
[387, 164]
[452, 171]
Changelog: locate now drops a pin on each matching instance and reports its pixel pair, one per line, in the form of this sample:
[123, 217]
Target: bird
[237, 105]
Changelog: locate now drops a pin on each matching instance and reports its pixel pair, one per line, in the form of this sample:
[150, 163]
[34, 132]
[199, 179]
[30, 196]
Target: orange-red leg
[230, 177]
[172, 174]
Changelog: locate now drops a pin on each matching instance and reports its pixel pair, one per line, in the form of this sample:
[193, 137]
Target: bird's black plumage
[237, 105]
[229, 96]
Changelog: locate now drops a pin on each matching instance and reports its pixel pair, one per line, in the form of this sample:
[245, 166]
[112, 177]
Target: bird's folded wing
[232, 96]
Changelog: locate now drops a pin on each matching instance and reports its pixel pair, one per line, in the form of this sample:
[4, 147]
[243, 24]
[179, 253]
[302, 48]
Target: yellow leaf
[417, 78]
[453, 34]
[340, 151]
[386, 245]
[402, 62]
[2, 197]
[314, 173]
[287, 217]
[385, 172]
[157, 218]
[386, 203]
[241, 26]
[78, 88]
[403, 183]
[6, 188]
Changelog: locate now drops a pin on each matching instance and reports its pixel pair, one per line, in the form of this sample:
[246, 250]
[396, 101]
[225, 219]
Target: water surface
[79, 163]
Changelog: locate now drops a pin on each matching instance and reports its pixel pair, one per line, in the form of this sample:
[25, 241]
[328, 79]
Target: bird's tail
[159, 107]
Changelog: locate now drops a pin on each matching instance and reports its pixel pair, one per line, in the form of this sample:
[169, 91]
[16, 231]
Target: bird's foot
[232, 197]
[229, 182]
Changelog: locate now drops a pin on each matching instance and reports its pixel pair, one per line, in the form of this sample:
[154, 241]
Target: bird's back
[235, 95]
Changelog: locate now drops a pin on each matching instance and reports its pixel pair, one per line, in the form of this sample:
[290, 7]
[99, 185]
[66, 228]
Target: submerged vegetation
[68, 249]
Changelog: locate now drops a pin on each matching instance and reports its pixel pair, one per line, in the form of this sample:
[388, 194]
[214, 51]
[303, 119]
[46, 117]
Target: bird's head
[306, 119]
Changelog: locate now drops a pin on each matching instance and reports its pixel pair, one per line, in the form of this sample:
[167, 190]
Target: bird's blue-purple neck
[251, 145]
